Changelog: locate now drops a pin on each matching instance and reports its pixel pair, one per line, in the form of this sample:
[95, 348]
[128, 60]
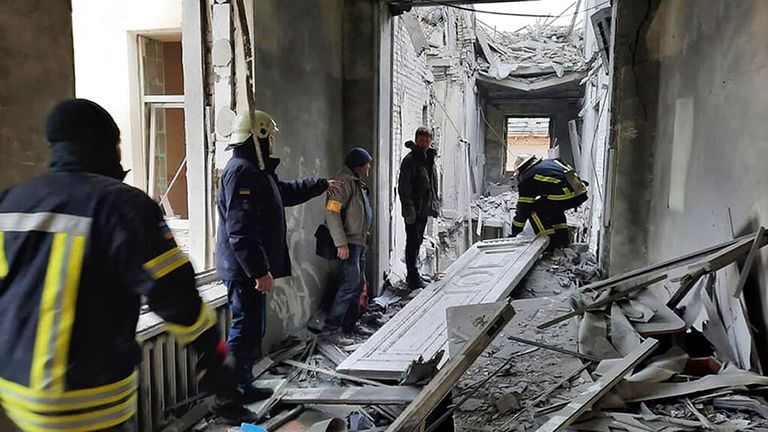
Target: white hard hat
[258, 122]
[523, 160]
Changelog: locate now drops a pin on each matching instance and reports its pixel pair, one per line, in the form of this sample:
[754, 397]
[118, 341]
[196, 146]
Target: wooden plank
[282, 418]
[486, 273]
[331, 373]
[620, 293]
[386, 395]
[434, 392]
[593, 392]
[753, 252]
[662, 267]
[332, 352]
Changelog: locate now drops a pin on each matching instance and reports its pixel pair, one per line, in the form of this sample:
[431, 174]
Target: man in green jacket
[348, 215]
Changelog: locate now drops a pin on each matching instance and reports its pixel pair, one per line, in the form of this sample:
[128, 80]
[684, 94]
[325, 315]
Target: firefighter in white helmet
[251, 244]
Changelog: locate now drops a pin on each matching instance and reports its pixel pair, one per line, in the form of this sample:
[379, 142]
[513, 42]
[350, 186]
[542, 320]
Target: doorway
[527, 135]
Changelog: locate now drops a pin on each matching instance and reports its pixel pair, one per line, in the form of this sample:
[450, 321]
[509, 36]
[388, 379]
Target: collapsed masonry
[665, 347]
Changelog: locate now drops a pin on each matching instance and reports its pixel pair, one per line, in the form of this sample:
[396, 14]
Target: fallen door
[485, 273]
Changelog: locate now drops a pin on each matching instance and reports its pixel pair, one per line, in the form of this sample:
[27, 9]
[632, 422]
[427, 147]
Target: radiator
[167, 373]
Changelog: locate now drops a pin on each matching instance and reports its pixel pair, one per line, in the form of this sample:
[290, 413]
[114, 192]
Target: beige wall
[106, 65]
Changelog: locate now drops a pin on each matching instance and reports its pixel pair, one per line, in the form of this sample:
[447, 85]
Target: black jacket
[251, 240]
[544, 180]
[417, 183]
[77, 252]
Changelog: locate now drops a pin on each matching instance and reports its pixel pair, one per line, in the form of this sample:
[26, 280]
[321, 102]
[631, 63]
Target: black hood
[248, 151]
[81, 156]
[84, 137]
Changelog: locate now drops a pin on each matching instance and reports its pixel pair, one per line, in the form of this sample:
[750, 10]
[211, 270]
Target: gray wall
[36, 71]
[318, 84]
[701, 154]
[496, 112]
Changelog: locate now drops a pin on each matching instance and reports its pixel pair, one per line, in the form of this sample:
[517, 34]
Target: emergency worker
[547, 188]
[78, 251]
[252, 250]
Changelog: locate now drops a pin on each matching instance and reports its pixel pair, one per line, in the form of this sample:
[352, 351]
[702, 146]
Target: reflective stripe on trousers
[74, 410]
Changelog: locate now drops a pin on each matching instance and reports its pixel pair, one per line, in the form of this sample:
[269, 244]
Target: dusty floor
[532, 371]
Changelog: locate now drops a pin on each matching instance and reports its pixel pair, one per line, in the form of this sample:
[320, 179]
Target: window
[163, 123]
[529, 135]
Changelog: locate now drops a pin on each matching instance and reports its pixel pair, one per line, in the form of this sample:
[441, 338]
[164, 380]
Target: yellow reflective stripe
[518, 224]
[537, 221]
[165, 263]
[545, 232]
[563, 165]
[527, 200]
[560, 226]
[187, 334]
[94, 420]
[3, 260]
[546, 179]
[333, 206]
[566, 195]
[41, 356]
[45, 401]
[69, 303]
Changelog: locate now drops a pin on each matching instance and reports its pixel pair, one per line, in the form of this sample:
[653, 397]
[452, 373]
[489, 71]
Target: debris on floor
[667, 347]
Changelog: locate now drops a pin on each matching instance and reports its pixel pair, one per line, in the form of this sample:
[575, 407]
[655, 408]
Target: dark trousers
[414, 236]
[348, 294]
[249, 321]
[548, 218]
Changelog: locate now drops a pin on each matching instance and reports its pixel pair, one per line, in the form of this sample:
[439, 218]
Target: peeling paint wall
[412, 106]
[315, 83]
[693, 174]
[36, 72]
[595, 116]
[434, 86]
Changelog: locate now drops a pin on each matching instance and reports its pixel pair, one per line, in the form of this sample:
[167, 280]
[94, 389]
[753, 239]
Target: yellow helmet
[258, 122]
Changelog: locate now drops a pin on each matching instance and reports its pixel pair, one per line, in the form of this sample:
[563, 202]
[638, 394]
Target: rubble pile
[542, 49]
[669, 347]
[495, 211]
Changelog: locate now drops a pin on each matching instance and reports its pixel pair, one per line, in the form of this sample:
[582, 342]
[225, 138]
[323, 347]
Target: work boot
[416, 283]
[232, 412]
[251, 394]
[339, 339]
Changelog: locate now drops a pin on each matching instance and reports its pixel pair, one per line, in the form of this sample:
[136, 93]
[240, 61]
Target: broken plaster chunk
[471, 405]
[508, 402]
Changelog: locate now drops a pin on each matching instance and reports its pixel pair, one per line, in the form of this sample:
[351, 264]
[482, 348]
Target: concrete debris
[386, 299]
[542, 50]
[508, 402]
[420, 371]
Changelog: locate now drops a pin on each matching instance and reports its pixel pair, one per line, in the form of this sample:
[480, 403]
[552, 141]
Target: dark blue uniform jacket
[251, 238]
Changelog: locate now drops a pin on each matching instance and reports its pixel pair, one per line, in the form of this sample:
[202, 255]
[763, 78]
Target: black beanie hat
[81, 121]
[356, 157]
